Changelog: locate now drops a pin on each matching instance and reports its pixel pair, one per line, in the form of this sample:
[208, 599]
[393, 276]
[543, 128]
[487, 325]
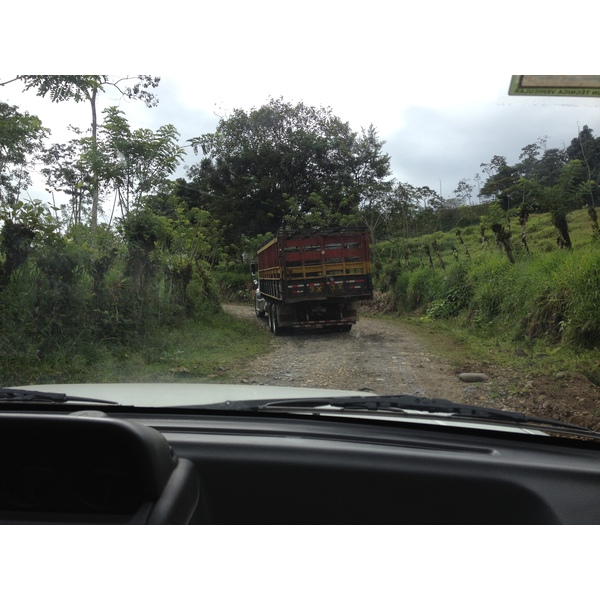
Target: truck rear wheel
[259, 313]
[276, 329]
[274, 325]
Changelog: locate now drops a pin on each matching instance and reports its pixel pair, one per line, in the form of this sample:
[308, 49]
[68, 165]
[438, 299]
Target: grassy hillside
[548, 299]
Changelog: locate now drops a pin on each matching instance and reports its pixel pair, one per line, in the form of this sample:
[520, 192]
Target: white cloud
[431, 77]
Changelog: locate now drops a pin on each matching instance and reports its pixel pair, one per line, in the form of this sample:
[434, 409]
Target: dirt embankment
[384, 357]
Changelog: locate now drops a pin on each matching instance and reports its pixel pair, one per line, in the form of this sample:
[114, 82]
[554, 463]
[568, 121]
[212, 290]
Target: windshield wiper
[394, 403]
[406, 405]
[19, 395]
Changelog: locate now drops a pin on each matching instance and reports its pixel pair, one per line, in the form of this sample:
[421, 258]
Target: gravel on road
[385, 357]
[377, 355]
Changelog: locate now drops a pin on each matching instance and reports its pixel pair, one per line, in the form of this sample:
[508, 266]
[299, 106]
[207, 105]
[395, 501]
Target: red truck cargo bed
[298, 266]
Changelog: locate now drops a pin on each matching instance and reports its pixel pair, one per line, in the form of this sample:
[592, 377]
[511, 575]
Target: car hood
[155, 395]
[165, 395]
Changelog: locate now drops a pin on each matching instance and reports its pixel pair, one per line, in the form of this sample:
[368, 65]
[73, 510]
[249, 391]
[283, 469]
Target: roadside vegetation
[123, 278]
[538, 311]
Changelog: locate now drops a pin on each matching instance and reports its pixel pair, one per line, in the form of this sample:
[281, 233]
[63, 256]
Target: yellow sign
[555, 85]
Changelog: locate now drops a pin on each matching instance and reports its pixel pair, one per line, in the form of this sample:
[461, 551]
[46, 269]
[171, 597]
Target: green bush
[533, 305]
[548, 294]
[402, 281]
[201, 292]
[580, 280]
[456, 293]
[459, 289]
[234, 284]
[425, 285]
[75, 295]
[489, 278]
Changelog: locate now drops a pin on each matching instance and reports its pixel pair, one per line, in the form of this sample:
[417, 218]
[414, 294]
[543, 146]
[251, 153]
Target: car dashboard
[195, 467]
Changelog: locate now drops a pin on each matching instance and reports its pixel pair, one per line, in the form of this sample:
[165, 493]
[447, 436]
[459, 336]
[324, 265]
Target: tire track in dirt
[384, 357]
[377, 355]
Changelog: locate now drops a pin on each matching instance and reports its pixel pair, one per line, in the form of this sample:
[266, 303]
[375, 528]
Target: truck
[312, 279]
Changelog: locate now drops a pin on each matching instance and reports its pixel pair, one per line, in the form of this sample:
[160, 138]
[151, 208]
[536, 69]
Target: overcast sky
[432, 79]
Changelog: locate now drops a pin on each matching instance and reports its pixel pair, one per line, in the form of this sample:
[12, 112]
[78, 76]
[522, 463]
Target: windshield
[434, 234]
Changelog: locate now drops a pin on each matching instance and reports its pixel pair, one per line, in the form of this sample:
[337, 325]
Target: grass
[491, 351]
[199, 351]
[539, 315]
[541, 237]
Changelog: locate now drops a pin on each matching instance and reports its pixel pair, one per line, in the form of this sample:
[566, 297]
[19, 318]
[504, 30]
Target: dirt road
[384, 357]
[377, 355]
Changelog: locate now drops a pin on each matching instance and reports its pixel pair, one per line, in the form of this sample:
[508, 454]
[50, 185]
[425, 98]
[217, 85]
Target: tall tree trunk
[96, 182]
[594, 217]
[523, 218]
[559, 221]
[503, 240]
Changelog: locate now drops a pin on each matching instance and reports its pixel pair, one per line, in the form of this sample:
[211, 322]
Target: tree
[257, 162]
[529, 157]
[82, 88]
[67, 172]
[464, 192]
[494, 220]
[559, 200]
[586, 148]
[373, 214]
[21, 136]
[128, 163]
[400, 210]
[427, 217]
[500, 183]
[370, 167]
[537, 163]
[316, 213]
[550, 166]
[409, 211]
[135, 163]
